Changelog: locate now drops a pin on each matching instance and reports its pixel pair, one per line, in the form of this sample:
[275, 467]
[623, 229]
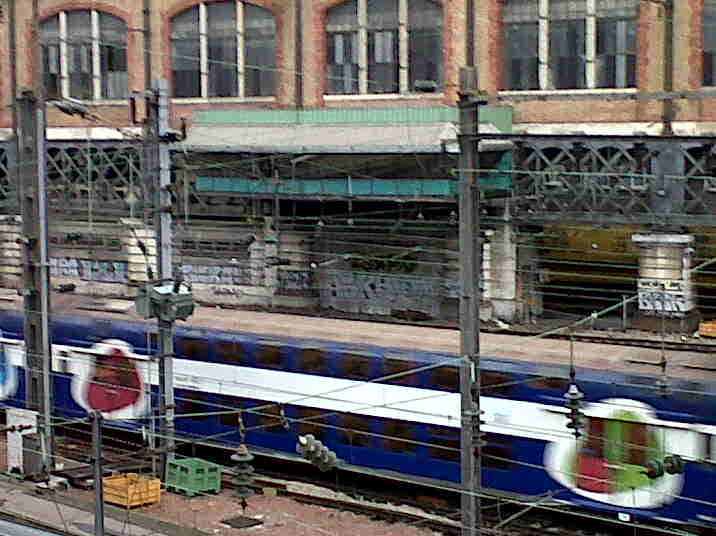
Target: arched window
[579, 44]
[224, 49]
[85, 55]
[368, 57]
[709, 30]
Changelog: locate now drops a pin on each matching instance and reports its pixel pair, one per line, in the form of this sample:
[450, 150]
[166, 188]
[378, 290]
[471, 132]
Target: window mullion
[403, 45]
[362, 46]
[203, 50]
[240, 55]
[64, 59]
[96, 64]
[545, 81]
[590, 39]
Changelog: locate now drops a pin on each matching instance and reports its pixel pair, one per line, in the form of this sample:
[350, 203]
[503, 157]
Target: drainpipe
[147, 11]
[668, 109]
[12, 45]
[470, 33]
[298, 60]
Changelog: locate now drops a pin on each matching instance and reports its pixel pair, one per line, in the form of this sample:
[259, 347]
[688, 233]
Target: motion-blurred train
[394, 407]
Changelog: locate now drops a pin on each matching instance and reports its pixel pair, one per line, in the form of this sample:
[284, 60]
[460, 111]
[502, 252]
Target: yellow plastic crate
[707, 329]
[131, 490]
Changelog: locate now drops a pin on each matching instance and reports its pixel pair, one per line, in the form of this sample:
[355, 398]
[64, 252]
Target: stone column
[138, 258]
[664, 285]
[510, 277]
[11, 251]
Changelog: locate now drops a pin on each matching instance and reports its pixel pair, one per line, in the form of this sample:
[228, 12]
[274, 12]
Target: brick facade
[488, 45]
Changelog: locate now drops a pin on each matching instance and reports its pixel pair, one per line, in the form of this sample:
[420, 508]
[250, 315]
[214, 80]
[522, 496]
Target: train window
[399, 436]
[398, 366]
[710, 448]
[550, 383]
[493, 383]
[497, 453]
[314, 418]
[269, 355]
[152, 341]
[312, 360]
[355, 366]
[269, 420]
[444, 444]
[353, 430]
[229, 351]
[228, 404]
[195, 402]
[690, 391]
[446, 378]
[193, 348]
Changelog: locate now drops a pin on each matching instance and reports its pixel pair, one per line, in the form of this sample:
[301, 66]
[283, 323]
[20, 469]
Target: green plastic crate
[193, 476]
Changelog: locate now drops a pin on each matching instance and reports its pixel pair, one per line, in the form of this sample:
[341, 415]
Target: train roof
[629, 359]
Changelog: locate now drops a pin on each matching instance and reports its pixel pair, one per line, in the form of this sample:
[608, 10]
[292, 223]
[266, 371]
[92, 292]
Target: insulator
[313, 450]
[283, 418]
[674, 464]
[327, 460]
[654, 469]
[244, 473]
[305, 445]
[573, 396]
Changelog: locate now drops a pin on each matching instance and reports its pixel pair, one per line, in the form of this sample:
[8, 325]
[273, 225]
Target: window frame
[546, 71]
[97, 75]
[363, 30]
[241, 69]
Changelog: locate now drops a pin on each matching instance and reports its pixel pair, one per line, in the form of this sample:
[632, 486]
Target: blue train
[399, 409]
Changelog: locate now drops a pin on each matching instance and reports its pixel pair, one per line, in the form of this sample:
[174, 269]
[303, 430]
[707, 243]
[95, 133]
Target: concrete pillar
[11, 251]
[510, 277]
[664, 285]
[137, 235]
[500, 273]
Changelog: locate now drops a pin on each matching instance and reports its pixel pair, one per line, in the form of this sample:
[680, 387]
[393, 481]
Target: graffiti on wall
[664, 296]
[232, 274]
[295, 282]
[379, 294]
[89, 270]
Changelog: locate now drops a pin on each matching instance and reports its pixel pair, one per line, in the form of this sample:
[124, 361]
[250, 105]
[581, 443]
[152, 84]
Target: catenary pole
[163, 231]
[98, 474]
[470, 297]
[36, 272]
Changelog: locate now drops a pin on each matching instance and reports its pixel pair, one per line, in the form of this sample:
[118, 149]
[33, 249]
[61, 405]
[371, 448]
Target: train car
[386, 397]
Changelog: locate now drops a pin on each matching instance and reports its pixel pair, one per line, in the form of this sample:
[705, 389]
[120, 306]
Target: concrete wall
[251, 278]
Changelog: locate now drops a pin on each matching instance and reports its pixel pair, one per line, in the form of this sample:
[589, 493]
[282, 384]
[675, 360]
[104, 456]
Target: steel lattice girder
[620, 179]
[106, 175]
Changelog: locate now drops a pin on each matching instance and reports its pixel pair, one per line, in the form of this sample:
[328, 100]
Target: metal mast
[159, 121]
[36, 272]
[470, 297]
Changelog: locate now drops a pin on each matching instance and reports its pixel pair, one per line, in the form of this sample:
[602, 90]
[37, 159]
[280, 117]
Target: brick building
[362, 53]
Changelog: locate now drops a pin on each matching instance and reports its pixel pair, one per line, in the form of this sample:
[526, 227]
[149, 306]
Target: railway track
[417, 505]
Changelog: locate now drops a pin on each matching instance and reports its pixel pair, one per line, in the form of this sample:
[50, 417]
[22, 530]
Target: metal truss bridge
[662, 181]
